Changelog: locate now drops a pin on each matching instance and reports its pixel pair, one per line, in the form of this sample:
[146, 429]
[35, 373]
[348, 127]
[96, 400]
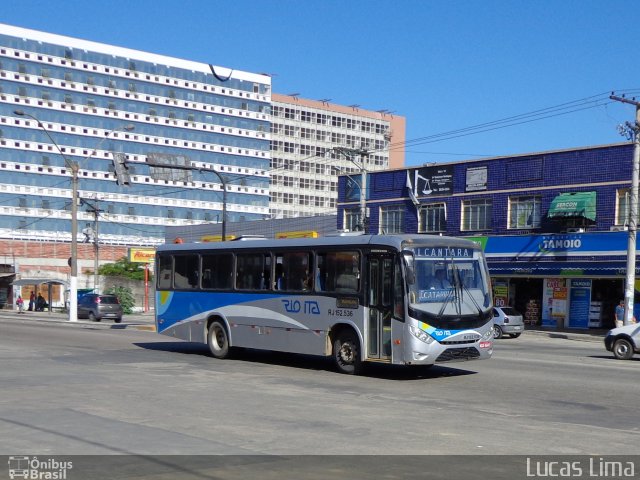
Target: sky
[472, 78]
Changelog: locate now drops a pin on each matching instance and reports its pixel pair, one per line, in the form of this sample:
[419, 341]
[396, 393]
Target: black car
[96, 307]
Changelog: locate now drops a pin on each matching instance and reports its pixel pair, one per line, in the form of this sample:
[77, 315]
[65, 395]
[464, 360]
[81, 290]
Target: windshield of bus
[449, 281]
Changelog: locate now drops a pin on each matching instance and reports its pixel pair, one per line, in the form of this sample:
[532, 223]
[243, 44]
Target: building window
[476, 214]
[432, 218]
[524, 212]
[351, 220]
[622, 207]
[391, 219]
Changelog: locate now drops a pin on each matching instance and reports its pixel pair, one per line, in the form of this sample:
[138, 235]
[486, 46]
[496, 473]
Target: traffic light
[121, 169]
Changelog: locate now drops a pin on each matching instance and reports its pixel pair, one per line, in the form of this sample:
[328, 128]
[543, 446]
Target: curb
[575, 336]
[80, 323]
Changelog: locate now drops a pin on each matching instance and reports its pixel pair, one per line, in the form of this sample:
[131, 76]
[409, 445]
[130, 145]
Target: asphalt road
[90, 389]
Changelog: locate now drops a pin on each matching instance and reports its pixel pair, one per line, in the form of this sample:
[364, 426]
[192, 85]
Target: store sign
[602, 243]
[142, 255]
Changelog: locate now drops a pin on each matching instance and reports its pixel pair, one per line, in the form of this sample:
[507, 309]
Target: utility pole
[633, 131]
[350, 153]
[93, 208]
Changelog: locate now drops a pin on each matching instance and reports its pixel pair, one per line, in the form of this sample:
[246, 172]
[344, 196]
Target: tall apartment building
[87, 96]
[304, 160]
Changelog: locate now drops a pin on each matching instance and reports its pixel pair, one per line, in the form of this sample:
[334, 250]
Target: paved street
[91, 389]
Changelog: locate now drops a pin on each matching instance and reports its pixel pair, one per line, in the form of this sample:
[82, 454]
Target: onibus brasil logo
[35, 469]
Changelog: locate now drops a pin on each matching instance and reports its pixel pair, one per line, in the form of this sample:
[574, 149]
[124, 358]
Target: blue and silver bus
[398, 299]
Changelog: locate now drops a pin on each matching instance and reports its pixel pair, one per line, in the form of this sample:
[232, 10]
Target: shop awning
[574, 205]
[38, 281]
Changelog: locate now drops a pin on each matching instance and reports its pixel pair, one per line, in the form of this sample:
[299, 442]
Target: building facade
[113, 111]
[553, 224]
[314, 141]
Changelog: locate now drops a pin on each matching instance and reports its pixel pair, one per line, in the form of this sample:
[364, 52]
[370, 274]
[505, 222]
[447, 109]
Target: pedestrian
[40, 303]
[32, 301]
[20, 304]
[619, 315]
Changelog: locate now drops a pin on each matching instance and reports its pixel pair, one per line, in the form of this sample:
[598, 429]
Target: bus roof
[394, 241]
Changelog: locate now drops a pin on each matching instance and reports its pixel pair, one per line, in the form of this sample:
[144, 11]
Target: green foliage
[123, 268]
[125, 297]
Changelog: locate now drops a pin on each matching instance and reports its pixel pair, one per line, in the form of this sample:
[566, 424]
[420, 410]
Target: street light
[73, 166]
[203, 169]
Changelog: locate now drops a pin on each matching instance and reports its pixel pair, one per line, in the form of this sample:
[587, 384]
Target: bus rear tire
[346, 353]
[218, 340]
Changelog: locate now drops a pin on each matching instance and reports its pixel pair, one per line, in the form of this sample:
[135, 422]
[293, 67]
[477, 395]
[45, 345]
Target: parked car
[623, 341]
[96, 307]
[507, 320]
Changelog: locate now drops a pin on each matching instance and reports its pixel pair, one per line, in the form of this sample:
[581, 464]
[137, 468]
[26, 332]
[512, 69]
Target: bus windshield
[449, 284]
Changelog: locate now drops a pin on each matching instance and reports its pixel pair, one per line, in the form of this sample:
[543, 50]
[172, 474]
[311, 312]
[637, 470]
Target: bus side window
[165, 264]
[186, 271]
[292, 271]
[339, 271]
[252, 271]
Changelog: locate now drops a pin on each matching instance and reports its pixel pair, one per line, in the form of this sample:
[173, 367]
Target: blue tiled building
[553, 224]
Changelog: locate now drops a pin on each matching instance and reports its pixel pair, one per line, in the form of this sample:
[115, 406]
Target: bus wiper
[450, 296]
[455, 294]
[473, 300]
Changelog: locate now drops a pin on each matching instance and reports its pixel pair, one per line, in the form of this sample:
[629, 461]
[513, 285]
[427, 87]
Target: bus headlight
[421, 335]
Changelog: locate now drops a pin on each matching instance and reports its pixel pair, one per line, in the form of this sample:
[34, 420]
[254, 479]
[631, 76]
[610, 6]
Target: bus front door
[379, 301]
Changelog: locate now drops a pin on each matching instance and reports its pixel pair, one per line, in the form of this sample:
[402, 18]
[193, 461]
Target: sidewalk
[583, 335]
[137, 321]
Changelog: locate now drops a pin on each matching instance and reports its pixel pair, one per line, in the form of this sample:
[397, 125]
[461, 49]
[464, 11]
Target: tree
[123, 268]
[125, 297]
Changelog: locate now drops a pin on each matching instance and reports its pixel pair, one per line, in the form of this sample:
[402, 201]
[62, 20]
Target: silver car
[96, 307]
[623, 341]
[507, 320]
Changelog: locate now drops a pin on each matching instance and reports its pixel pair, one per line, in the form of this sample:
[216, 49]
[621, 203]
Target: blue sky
[444, 65]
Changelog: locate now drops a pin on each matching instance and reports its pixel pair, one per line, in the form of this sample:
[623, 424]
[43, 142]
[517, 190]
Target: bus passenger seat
[346, 283]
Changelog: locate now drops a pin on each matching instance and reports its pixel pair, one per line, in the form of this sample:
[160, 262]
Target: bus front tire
[218, 340]
[346, 353]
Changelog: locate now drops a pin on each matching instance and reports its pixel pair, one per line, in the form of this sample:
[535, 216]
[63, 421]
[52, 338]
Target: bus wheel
[218, 340]
[346, 353]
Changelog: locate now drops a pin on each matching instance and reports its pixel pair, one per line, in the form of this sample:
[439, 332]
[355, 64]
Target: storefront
[571, 280]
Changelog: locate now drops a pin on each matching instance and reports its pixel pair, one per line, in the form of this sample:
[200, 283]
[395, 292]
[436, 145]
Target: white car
[623, 341]
[507, 320]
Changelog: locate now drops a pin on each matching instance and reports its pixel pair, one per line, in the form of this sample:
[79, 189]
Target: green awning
[574, 205]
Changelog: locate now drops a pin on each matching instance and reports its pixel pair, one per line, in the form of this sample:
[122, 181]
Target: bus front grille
[451, 354]
[457, 342]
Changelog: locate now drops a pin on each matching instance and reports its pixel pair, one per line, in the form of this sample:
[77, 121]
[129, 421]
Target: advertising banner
[428, 181]
[554, 298]
[580, 302]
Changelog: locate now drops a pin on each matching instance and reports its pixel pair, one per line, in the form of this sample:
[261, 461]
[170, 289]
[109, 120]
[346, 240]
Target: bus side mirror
[409, 262]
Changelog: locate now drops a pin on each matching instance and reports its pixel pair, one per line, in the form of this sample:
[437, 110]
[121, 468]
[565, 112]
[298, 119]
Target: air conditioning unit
[575, 230]
[618, 228]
